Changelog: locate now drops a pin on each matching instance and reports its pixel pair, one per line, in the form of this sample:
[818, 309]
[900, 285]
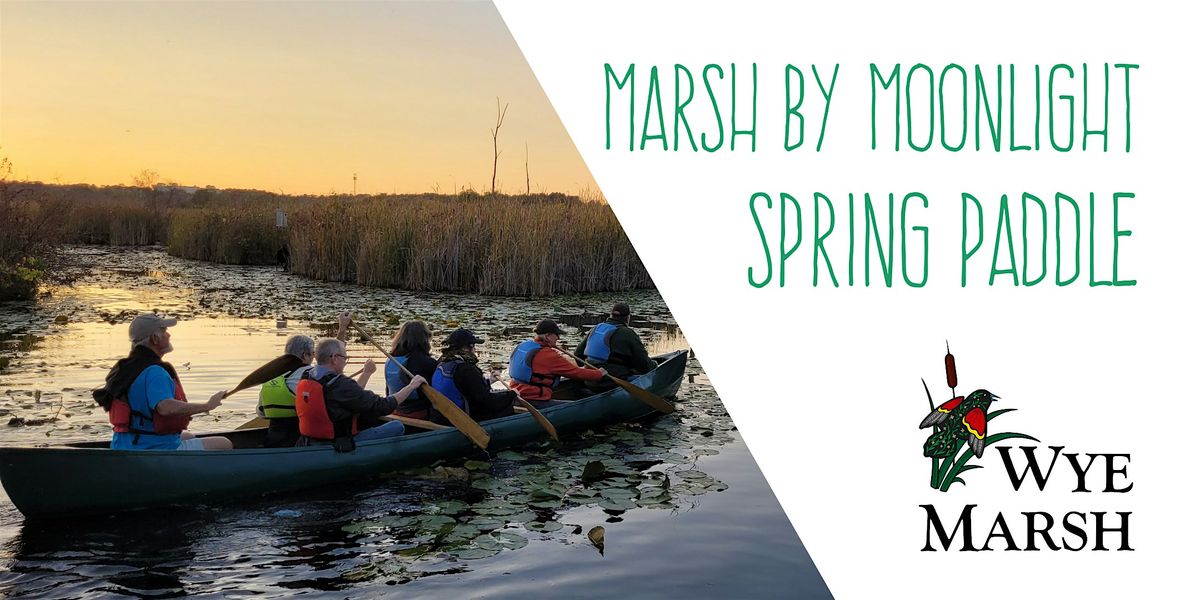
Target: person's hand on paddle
[344, 321]
[369, 367]
[414, 385]
[493, 376]
[215, 401]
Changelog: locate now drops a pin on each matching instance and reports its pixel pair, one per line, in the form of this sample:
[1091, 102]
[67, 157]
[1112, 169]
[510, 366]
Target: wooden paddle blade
[265, 373]
[255, 423]
[645, 396]
[457, 417]
[539, 417]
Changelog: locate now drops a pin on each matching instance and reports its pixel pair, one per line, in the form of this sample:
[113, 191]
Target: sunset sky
[281, 96]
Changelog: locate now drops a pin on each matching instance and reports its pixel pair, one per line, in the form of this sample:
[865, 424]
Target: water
[684, 508]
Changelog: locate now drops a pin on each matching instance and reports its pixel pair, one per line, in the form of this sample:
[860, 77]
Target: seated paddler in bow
[277, 397]
[614, 346]
[537, 366]
[459, 378]
[329, 404]
[144, 399]
[411, 348]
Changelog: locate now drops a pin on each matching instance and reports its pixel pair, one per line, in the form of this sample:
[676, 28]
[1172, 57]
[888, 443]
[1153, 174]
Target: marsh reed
[530, 245]
[507, 245]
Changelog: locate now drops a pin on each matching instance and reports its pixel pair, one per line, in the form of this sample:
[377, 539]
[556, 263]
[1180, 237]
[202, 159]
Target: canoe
[88, 478]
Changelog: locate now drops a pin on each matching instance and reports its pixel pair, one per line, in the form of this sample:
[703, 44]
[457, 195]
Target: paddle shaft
[451, 411]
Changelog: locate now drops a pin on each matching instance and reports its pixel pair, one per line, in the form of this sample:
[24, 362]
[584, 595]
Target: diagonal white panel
[824, 382]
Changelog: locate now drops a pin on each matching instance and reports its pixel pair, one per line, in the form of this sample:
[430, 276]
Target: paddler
[328, 403]
[144, 399]
[459, 378]
[614, 346]
[411, 347]
[537, 366]
[277, 398]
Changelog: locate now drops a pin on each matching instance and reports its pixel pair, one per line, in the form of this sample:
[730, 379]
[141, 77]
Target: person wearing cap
[459, 378]
[277, 398]
[537, 366]
[612, 345]
[144, 398]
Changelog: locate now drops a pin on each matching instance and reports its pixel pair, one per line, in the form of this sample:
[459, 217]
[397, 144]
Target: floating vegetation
[529, 493]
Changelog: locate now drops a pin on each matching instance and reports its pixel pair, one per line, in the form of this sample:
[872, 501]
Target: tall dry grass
[507, 245]
[531, 245]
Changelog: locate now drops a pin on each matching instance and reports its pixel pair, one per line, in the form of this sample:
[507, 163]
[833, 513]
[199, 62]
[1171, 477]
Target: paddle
[275, 368]
[645, 396]
[451, 411]
[539, 417]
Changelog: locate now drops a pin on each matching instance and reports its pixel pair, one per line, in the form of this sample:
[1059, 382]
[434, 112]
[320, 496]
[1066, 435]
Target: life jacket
[277, 400]
[314, 416]
[396, 378]
[520, 366]
[443, 381]
[599, 342]
[124, 419]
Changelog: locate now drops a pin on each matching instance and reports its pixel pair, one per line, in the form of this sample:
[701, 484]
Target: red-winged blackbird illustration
[962, 419]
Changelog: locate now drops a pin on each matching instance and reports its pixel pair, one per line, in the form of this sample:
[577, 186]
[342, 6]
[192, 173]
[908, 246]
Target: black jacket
[628, 357]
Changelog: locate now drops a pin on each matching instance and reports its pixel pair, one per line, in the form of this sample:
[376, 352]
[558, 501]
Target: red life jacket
[124, 419]
[310, 409]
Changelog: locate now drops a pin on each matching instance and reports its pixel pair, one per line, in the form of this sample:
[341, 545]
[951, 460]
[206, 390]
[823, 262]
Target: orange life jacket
[124, 419]
[310, 409]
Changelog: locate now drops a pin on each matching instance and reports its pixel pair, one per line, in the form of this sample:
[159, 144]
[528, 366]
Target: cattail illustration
[951, 372]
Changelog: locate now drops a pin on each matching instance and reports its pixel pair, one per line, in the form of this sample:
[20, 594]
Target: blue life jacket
[599, 342]
[396, 378]
[443, 381]
[520, 366]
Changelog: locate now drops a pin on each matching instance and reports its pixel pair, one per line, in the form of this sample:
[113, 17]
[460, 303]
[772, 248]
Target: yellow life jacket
[276, 400]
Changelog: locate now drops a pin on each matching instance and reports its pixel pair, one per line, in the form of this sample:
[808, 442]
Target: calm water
[684, 508]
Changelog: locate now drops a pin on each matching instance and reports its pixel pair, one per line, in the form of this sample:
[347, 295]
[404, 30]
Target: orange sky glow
[291, 97]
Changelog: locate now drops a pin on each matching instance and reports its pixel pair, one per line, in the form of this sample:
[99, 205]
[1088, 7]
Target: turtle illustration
[961, 418]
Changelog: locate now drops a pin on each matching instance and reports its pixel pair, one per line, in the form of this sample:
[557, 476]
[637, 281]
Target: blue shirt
[151, 387]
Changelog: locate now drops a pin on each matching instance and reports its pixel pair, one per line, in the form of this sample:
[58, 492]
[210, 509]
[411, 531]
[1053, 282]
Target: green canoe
[89, 478]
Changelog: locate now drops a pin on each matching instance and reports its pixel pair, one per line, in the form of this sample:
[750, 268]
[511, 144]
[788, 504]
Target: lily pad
[523, 517]
[477, 465]
[449, 507]
[616, 504]
[434, 521]
[474, 552]
[510, 540]
[543, 527]
[617, 493]
[486, 523]
[488, 484]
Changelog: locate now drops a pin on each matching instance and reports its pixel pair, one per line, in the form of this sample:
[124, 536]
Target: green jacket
[628, 356]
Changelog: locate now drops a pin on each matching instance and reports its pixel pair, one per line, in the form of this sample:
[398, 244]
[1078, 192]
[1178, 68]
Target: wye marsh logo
[960, 422]
[958, 433]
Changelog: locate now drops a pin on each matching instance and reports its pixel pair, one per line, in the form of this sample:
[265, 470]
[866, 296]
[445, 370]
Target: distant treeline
[538, 244]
